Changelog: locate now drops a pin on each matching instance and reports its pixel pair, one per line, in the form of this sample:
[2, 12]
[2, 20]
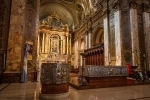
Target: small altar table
[54, 80]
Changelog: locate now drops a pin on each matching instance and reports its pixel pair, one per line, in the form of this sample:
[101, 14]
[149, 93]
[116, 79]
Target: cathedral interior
[91, 38]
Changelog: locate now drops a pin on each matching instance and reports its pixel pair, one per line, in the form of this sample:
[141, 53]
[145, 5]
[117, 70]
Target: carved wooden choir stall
[94, 56]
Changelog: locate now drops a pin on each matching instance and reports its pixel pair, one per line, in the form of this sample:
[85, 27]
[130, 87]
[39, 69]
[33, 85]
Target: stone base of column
[53, 96]
[11, 77]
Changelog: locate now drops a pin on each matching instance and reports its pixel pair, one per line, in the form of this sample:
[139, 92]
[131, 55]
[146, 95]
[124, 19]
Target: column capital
[89, 29]
[104, 13]
[146, 7]
[116, 6]
[133, 4]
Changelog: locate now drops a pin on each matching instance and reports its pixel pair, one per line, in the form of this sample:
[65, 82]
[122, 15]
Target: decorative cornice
[133, 4]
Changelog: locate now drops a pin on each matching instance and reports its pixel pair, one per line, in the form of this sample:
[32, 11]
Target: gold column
[43, 43]
[64, 45]
[49, 44]
[48, 49]
[46, 42]
[70, 44]
[67, 44]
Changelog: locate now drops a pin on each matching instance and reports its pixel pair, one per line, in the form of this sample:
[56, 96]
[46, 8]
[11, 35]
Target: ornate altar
[54, 80]
[105, 76]
[104, 71]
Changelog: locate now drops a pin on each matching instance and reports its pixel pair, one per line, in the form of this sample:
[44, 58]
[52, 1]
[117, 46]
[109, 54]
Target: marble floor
[30, 91]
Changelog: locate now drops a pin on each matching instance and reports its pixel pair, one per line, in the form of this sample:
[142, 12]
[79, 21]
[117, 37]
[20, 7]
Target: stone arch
[98, 37]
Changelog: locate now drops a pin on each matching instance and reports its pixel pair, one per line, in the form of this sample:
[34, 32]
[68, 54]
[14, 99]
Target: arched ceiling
[70, 12]
[49, 9]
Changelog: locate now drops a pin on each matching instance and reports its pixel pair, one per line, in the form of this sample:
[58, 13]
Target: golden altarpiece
[54, 40]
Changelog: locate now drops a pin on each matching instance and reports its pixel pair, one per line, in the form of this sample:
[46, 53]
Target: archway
[98, 37]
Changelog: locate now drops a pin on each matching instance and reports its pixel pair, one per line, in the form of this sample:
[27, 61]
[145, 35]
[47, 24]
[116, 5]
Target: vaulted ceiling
[70, 12]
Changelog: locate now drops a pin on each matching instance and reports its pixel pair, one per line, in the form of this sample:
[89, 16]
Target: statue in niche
[54, 47]
[55, 44]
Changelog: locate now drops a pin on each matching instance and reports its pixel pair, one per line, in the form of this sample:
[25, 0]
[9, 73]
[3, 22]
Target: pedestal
[54, 81]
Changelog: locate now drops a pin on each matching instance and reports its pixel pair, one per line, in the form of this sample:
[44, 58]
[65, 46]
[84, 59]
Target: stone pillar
[134, 37]
[76, 54]
[86, 39]
[126, 42]
[16, 34]
[106, 39]
[38, 67]
[89, 39]
[15, 47]
[118, 37]
[146, 20]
